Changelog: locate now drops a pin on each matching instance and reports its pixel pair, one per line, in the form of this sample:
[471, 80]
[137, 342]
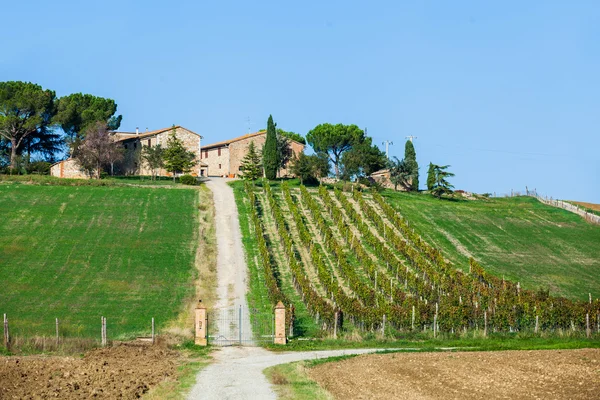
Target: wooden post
[201, 325]
[335, 324]
[6, 333]
[57, 336]
[383, 326]
[103, 330]
[588, 331]
[485, 323]
[153, 337]
[537, 323]
[280, 324]
[413, 318]
[435, 318]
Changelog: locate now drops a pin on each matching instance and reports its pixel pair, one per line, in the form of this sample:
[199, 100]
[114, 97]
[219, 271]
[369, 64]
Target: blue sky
[507, 93]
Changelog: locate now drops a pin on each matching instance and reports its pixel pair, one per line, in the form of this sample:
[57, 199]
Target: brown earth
[125, 371]
[541, 374]
[591, 206]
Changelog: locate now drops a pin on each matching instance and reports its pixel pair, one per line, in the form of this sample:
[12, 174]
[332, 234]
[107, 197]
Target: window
[219, 166]
[149, 141]
[219, 153]
[205, 153]
[134, 145]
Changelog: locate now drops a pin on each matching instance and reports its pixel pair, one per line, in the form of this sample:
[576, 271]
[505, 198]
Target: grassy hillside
[78, 253]
[326, 251]
[519, 238]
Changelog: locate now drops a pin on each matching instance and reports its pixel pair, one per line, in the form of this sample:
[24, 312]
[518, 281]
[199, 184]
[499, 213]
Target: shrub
[188, 180]
[39, 167]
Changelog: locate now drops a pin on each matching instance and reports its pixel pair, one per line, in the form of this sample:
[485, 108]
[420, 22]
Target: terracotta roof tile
[237, 139]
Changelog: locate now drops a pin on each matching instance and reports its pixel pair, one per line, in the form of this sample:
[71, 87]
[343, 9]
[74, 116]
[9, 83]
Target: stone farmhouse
[225, 158]
[133, 142]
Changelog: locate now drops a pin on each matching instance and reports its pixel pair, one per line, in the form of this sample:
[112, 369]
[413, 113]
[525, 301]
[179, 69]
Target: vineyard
[352, 261]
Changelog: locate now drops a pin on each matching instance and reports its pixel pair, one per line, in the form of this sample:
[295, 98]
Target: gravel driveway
[236, 372]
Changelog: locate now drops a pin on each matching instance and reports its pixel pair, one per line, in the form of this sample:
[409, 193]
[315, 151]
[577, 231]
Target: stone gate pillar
[201, 325]
[280, 324]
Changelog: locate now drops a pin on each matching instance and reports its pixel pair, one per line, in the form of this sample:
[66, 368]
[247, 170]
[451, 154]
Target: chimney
[137, 130]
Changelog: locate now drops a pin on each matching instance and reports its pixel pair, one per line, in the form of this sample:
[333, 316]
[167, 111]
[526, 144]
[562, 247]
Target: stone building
[133, 142]
[225, 158]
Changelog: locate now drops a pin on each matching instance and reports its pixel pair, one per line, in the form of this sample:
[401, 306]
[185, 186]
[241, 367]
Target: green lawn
[519, 238]
[79, 253]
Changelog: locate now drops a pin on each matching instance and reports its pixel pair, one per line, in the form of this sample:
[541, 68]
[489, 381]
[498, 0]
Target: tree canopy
[410, 158]
[335, 140]
[441, 185]
[430, 176]
[152, 156]
[177, 159]
[310, 168]
[400, 174]
[77, 111]
[291, 135]
[26, 113]
[270, 154]
[97, 149]
[251, 164]
[362, 160]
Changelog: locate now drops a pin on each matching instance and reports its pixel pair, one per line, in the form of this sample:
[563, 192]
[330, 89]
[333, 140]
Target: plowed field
[557, 374]
[121, 372]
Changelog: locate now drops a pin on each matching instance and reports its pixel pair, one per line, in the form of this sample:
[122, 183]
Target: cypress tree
[410, 157]
[270, 154]
[431, 176]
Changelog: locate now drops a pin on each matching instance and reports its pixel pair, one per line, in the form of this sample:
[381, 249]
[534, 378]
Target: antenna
[411, 138]
[248, 123]
[387, 144]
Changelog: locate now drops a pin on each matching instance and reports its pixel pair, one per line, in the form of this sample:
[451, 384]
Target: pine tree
[270, 154]
[441, 185]
[410, 157]
[430, 176]
[251, 164]
[177, 158]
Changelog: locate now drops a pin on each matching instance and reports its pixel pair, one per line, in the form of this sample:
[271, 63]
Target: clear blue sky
[507, 93]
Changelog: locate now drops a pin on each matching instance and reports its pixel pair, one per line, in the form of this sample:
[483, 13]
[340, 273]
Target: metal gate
[240, 326]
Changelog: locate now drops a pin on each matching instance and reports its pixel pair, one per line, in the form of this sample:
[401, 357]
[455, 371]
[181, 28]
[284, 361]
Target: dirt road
[237, 372]
[231, 264]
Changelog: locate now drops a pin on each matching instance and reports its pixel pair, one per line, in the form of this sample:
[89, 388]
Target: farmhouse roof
[225, 143]
[381, 172]
[121, 136]
[237, 139]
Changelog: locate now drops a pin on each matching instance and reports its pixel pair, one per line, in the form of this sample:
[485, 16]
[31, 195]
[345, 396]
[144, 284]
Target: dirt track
[121, 372]
[558, 374]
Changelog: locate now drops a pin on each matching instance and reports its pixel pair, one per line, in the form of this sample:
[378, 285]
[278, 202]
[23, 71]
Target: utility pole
[387, 144]
[411, 138]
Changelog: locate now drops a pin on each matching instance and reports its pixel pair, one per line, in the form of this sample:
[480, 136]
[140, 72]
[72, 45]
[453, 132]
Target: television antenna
[387, 144]
[411, 138]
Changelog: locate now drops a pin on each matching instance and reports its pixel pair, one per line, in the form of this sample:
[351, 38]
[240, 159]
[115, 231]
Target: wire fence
[548, 200]
[66, 340]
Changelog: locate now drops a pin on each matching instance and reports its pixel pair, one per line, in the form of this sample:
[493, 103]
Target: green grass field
[79, 253]
[519, 238]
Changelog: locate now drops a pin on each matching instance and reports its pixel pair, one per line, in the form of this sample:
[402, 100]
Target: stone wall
[68, 169]
[239, 149]
[133, 165]
[218, 165]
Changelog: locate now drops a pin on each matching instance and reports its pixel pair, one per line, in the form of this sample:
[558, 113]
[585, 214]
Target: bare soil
[591, 206]
[542, 374]
[125, 371]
